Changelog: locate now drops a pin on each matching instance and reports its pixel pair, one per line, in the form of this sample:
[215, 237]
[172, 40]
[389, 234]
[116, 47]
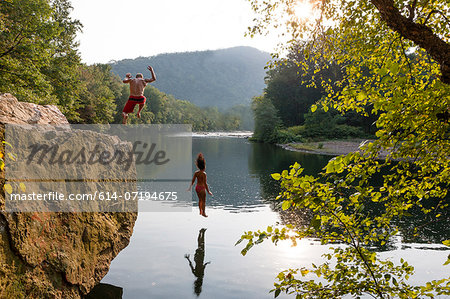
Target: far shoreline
[232, 134]
[328, 147]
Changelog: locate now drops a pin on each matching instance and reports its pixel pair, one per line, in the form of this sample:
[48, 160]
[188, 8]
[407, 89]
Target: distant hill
[220, 78]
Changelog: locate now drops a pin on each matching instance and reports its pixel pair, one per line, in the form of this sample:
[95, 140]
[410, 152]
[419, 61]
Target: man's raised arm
[127, 78]
[153, 75]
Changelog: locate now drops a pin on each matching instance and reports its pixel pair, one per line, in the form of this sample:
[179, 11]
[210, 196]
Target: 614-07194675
[147, 195]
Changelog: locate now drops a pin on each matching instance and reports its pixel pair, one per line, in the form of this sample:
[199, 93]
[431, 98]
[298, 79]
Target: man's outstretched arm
[153, 78]
[127, 78]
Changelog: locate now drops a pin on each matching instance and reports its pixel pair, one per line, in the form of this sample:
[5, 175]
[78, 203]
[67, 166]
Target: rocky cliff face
[55, 255]
[14, 112]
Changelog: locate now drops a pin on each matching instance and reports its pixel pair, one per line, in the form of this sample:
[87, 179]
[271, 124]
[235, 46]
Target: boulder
[57, 254]
[14, 112]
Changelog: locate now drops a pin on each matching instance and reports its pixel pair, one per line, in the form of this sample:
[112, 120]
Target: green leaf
[316, 222]
[330, 168]
[305, 185]
[8, 188]
[448, 261]
[339, 167]
[383, 71]
[394, 281]
[11, 156]
[286, 205]
[394, 67]
[8, 144]
[361, 96]
[276, 176]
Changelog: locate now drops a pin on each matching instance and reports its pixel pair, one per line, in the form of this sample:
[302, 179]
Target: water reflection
[265, 159]
[239, 170]
[428, 228]
[199, 269]
[239, 176]
[415, 228]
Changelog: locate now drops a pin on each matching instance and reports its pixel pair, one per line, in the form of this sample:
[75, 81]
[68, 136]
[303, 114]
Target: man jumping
[137, 97]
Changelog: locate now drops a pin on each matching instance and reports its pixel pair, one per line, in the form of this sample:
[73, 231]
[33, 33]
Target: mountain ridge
[218, 78]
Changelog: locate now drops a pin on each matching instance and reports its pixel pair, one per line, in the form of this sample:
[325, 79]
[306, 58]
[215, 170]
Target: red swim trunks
[133, 101]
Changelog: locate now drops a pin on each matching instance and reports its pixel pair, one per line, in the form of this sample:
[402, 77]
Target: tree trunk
[420, 34]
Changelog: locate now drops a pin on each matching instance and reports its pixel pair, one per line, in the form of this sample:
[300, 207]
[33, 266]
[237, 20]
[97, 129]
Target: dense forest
[221, 78]
[163, 108]
[284, 112]
[40, 63]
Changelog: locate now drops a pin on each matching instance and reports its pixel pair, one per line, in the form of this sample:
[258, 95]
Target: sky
[117, 29]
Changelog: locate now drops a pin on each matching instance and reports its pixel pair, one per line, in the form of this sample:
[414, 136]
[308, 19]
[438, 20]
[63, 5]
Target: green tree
[266, 120]
[38, 52]
[61, 72]
[162, 108]
[99, 91]
[289, 90]
[371, 41]
[24, 46]
[291, 99]
[293, 88]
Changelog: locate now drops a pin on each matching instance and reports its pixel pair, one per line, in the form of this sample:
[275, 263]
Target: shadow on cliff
[104, 290]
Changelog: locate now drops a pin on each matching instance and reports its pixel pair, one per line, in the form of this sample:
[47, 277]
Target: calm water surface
[183, 255]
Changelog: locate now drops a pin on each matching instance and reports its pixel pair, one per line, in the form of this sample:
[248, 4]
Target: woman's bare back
[201, 178]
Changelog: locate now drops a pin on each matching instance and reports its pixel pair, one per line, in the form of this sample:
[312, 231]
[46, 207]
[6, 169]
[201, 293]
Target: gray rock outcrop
[55, 255]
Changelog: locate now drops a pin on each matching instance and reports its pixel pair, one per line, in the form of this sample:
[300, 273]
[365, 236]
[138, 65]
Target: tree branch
[433, 12]
[420, 34]
[15, 44]
[412, 10]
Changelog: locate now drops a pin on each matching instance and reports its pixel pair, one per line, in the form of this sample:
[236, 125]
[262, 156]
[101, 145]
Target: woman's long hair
[200, 161]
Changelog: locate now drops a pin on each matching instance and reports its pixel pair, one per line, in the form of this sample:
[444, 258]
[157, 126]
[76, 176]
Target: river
[183, 255]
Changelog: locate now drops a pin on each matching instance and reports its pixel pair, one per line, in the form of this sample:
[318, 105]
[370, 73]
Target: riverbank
[234, 134]
[330, 147]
